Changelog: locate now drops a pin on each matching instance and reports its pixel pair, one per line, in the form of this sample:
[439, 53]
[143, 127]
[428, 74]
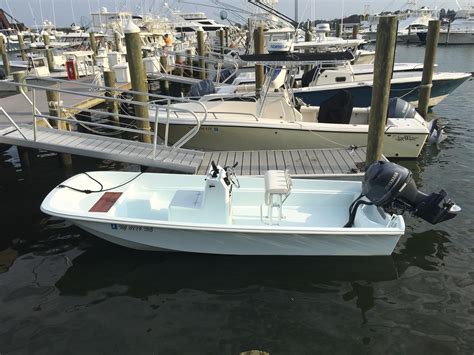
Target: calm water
[65, 291]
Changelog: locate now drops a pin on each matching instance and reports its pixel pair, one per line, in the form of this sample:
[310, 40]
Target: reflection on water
[172, 272]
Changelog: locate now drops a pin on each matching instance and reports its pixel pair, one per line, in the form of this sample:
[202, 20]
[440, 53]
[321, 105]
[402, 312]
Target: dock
[21, 110]
[301, 163]
[17, 128]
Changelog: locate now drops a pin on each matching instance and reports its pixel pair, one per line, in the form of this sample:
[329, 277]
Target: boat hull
[451, 38]
[228, 137]
[362, 93]
[142, 237]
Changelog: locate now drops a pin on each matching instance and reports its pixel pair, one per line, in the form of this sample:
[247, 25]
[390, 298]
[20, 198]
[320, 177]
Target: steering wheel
[215, 169]
[231, 175]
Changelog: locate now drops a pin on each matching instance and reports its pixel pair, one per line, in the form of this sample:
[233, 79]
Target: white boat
[460, 31]
[274, 123]
[218, 214]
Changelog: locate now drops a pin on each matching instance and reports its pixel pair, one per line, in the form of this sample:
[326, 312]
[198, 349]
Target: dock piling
[447, 34]
[117, 42]
[112, 105]
[4, 53]
[258, 40]
[54, 110]
[383, 68]
[428, 67]
[201, 50]
[355, 31]
[189, 62]
[307, 38]
[21, 43]
[138, 77]
[20, 77]
[49, 52]
[164, 84]
[221, 42]
[93, 45]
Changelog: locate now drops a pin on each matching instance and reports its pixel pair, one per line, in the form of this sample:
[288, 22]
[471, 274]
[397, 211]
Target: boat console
[213, 204]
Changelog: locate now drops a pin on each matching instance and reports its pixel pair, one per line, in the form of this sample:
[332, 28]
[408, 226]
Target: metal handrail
[168, 100]
[13, 122]
[94, 124]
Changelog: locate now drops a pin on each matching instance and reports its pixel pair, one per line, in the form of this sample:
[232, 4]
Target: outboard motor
[391, 187]
[398, 108]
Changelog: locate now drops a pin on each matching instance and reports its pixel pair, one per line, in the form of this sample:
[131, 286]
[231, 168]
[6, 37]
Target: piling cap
[131, 28]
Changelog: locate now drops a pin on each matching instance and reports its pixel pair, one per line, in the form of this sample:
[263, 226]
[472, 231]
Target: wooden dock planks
[302, 162]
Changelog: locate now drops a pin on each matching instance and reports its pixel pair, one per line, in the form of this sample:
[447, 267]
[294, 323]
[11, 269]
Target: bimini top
[298, 58]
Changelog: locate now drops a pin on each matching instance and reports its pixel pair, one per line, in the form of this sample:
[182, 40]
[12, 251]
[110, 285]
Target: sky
[65, 12]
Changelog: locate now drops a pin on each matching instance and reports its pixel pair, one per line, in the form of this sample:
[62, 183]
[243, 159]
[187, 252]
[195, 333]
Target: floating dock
[20, 110]
[302, 162]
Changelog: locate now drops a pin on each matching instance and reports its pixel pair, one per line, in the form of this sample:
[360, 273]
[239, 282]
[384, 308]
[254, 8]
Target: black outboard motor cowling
[398, 108]
[392, 187]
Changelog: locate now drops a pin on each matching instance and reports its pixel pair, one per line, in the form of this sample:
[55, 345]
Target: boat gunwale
[208, 227]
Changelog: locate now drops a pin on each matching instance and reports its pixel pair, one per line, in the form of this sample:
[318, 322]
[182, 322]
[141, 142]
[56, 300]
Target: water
[65, 291]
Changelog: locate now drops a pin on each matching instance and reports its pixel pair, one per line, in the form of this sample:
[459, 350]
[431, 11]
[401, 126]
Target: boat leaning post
[428, 67]
[383, 68]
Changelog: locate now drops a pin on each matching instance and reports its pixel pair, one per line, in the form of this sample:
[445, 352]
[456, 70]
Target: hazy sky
[67, 11]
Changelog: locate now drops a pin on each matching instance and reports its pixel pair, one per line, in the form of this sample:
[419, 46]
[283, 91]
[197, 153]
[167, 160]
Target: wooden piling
[355, 31]
[383, 67]
[4, 53]
[201, 53]
[338, 30]
[21, 43]
[446, 41]
[93, 45]
[49, 53]
[258, 40]
[53, 96]
[117, 41]
[189, 62]
[221, 42]
[138, 77]
[428, 67]
[164, 84]
[226, 33]
[24, 155]
[307, 38]
[20, 77]
[112, 105]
